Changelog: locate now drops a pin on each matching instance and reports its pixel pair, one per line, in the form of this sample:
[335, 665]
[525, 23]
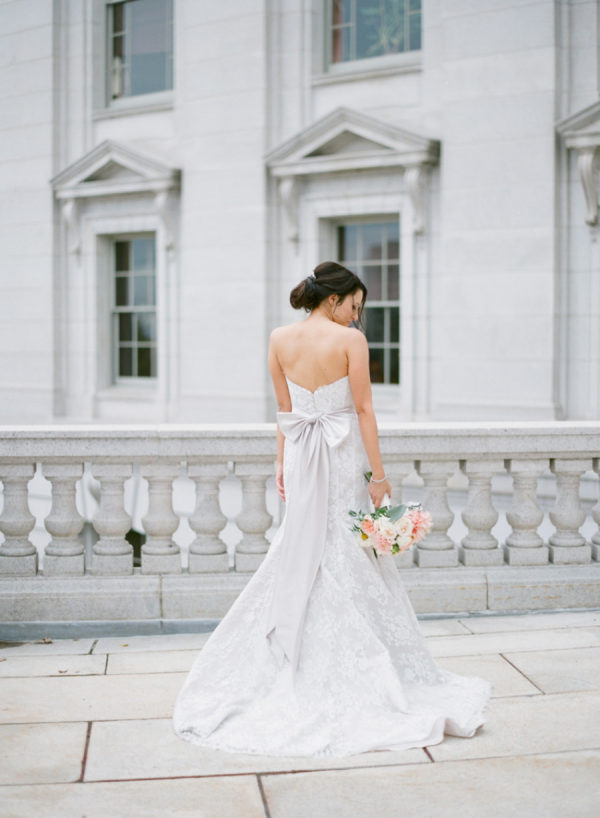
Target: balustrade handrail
[190, 441]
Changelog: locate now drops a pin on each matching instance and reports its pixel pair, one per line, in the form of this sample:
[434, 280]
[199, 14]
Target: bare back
[316, 352]
[312, 354]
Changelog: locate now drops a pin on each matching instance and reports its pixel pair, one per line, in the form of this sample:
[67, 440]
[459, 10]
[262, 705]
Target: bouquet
[390, 529]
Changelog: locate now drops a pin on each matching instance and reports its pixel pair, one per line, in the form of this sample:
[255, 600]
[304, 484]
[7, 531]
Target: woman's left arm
[284, 404]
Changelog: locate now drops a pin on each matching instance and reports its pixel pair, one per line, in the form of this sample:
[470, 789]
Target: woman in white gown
[321, 654]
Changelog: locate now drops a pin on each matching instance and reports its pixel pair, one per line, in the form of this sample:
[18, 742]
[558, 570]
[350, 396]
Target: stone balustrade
[422, 460]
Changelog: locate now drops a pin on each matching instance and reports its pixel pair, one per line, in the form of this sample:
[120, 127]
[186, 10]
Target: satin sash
[305, 524]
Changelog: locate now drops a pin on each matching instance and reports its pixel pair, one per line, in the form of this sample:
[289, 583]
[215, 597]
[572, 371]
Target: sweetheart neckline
[323, 385]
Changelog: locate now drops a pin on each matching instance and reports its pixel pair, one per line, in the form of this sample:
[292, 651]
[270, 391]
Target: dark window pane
[117, 11]
[376, 365]
[372, 239]
[392, 238]
[371, 276]
[341, 11]
[415, 32]
[374, 318]
[121, 297]
[370, 29]
[121, 256]
[414, 5]
[393, 277]
[150, 44]
[394, 365]
[125, 326]
[146, 358]
[146, 326]
[143, 254]
[347, 242]
[118, 47]
[140, 291]
[125, 362]
[394, 325]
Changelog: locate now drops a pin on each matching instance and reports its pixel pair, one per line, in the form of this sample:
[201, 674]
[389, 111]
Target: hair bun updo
[329, 278]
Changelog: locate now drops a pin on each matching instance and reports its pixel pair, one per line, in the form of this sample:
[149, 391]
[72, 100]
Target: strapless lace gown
[343, 668]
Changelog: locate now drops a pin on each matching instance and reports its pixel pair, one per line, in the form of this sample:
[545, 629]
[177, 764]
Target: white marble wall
[26, 224]
[490, 82]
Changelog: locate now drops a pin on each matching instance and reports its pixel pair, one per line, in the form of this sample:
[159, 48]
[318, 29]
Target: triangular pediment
[582, 129]
[344, 140]
[112, 168]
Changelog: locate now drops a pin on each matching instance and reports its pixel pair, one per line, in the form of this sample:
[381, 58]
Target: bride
[321, 654]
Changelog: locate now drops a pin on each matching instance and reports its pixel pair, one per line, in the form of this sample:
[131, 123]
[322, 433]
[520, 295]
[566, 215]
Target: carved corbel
[587, 166]
[70, 217]
[162, 205]
[415, 185]
[288, 193]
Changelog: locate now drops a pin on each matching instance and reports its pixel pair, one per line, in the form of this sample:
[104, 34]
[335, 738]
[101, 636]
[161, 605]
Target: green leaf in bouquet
[396, 512]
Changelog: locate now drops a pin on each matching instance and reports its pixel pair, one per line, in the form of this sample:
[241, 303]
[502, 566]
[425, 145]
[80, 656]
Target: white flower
[404, 530]
[387, 529]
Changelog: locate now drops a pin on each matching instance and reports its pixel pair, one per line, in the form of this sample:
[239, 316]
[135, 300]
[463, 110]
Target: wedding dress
[321, 654]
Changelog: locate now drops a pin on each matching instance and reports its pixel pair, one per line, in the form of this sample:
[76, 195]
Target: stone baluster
[596, 516]
[567, 545]
[64, 554]
[112, 554]
[207, 552]
[480, 547]
[18, 555]
[524, 546]
[160, 555]
[254, 518]
[437, 549]
[396, 473]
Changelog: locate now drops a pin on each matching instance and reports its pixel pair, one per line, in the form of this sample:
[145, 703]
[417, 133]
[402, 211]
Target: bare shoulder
[279, 334]
[355, 338]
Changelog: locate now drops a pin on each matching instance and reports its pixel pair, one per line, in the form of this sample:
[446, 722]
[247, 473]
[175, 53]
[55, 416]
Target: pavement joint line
[263, 796]
[92, 646]
[428, 754]
[105, 663]
[525, 676]
[85, 752]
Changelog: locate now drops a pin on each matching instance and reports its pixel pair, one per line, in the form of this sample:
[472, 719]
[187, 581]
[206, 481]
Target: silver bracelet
[383, 479]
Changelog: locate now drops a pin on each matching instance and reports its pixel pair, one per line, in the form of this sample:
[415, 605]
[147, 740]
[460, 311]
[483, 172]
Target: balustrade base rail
[185, 597]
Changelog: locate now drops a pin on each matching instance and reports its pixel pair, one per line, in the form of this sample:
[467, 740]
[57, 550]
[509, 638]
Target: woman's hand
[377, 492]
[279, 481]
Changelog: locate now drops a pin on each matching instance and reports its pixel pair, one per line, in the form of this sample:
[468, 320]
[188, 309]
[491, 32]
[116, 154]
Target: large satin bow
[305, 524]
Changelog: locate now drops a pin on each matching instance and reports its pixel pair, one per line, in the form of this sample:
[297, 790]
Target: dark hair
[329, 278]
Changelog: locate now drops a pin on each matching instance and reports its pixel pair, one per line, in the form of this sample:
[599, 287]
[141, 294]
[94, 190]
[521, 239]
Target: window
[359, 29]
[140, 47]
[134, 307]
[371, 249]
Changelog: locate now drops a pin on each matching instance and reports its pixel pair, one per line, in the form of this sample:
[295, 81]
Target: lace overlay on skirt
[363, 678]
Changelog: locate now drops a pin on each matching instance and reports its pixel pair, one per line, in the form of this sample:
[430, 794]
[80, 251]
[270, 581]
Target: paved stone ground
[85, 731]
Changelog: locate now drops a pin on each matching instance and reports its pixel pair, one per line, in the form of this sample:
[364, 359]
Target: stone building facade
[171, 168]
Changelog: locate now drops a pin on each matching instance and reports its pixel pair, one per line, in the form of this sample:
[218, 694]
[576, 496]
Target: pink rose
[383, 544]
[421, 521]
[367, 526]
